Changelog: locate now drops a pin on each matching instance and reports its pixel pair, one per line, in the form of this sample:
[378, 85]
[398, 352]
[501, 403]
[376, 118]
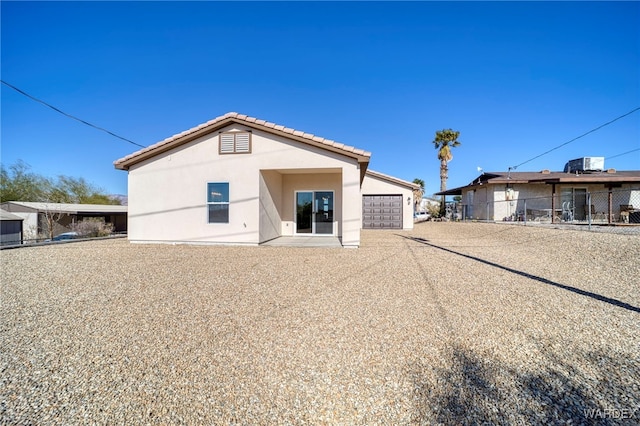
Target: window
[218, 202]
[235, 143]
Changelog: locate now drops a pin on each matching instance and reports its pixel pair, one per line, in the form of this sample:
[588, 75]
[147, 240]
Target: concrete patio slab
[303, 241]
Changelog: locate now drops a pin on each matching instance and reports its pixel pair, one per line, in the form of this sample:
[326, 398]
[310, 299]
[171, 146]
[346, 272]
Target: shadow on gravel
[477, 390]
[596, 296]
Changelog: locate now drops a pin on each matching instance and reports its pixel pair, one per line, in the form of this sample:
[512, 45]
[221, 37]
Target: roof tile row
[247, 119]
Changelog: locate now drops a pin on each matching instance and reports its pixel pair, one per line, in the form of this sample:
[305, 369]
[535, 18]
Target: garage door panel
[382, 211]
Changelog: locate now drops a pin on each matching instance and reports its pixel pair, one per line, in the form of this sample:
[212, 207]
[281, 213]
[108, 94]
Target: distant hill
[124, 199]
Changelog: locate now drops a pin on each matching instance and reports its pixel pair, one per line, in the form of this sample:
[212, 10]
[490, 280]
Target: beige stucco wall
[310, 182]
[270, 205]
[373, 185]
[167, 194]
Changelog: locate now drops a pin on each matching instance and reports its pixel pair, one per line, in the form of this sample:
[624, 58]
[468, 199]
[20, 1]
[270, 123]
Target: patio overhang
[453, 191]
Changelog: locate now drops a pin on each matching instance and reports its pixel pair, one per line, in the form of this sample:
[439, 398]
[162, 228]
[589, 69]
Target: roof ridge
[269, 127]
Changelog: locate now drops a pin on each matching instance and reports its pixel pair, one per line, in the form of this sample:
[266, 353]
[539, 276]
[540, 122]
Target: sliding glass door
[314, 212]
[304, 212]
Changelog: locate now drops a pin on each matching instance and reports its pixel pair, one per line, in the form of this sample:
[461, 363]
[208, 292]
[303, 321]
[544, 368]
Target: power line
[576, 138]
[624, 153]
[69, 115]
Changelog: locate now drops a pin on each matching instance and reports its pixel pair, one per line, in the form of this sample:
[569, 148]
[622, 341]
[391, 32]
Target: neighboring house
[240, 180]
[35, 223]
[11, 228]
[560, 196]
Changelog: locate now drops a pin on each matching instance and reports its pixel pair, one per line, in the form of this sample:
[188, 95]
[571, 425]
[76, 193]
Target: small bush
[92, 227]
[433, 210]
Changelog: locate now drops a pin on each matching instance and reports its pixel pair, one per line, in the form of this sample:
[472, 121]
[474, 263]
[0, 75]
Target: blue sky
[516, 79]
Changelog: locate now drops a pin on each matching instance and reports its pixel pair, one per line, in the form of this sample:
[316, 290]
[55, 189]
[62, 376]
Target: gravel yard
[452, 323]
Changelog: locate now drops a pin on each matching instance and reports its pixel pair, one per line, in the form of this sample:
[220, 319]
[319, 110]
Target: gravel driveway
[452, 323]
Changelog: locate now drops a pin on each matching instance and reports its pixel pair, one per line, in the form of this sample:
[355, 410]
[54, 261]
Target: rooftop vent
[585, 165]
[546, 172]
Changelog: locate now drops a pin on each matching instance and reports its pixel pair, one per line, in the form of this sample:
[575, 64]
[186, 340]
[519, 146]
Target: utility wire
[69, 115]
[576, 138]
[624, 153]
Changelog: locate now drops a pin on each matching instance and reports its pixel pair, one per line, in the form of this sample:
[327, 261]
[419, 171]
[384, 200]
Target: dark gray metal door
[382, 211]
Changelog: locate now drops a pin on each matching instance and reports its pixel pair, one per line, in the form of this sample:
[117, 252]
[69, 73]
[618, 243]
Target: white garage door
[382, 211]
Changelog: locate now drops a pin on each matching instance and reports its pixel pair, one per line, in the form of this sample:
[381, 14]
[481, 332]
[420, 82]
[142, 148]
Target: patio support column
[553, 203]
[610, 215]
[351, 207]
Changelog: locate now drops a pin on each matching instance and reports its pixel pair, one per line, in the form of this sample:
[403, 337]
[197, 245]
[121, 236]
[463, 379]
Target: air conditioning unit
[585, 164]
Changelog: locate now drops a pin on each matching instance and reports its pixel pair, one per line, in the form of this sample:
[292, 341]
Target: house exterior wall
[168, 193]
[310, 182]
[537, 196]
[626, 194]
[633, 197]
[351, 207]
[271, 208]
[373, 185]
[493, 202]
[489, 202]
[35, 220]
[29, 225]
[475, 203]
[29, 216]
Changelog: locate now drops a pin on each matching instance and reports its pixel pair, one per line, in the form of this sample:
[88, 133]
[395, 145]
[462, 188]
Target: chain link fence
[570, 206]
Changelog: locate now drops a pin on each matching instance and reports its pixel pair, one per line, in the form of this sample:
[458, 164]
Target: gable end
[220, 122]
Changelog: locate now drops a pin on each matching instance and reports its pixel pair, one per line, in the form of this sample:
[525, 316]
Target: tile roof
[392, 179]
[233, 117]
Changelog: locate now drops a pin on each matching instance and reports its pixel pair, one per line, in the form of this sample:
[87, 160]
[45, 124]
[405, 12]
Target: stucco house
[240, 180]
[606, 196]
[65, 214]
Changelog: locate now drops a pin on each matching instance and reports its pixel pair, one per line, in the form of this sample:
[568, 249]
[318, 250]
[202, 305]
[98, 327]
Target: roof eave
[182, 138]
[453, 191]
[170, 143]
[599, 179]
[395, 180]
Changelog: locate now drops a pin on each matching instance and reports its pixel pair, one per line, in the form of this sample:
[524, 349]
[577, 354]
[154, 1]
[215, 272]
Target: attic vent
[242, 142]
[235, 143]
[546, 172]
[611, 171]
[227, 143]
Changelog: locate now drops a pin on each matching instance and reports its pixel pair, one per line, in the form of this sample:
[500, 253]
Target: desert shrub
[433, 210]
[92, 227]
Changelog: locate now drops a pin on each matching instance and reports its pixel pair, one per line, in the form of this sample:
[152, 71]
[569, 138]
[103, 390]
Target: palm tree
[418, 193]
[444, 141]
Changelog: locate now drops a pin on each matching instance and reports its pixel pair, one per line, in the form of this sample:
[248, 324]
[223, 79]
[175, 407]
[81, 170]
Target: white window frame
[218, 203]
[314, 209]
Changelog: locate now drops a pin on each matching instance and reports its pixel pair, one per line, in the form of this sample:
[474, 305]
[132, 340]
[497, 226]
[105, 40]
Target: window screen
[218, 202]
